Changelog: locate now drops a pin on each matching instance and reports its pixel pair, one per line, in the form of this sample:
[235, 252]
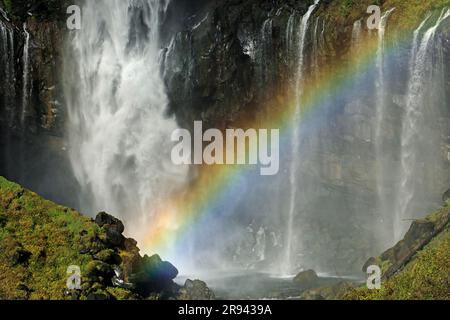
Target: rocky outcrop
[416, 267]
[40, 240]
[306, 279]
[420, 234]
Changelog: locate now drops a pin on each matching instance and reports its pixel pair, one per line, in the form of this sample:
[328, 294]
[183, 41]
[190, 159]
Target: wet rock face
[32, 117]
[224, 64]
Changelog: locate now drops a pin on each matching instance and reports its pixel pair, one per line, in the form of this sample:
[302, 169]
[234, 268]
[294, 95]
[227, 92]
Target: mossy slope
[424, 276]
[39, 240]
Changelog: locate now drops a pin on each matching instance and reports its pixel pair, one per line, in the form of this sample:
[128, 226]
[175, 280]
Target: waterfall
[119, 134]
[265, 52]
[356, 35]
[289, 34]
[380, 120]
[315, 48]
[413, 129]
[6, 61]
[293, 181]
[25, 77]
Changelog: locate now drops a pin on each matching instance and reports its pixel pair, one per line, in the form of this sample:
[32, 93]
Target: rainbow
[216, 185]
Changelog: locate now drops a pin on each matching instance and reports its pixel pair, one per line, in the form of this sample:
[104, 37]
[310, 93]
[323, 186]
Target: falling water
[382, 170]
[289, 34]
[25, 78]
[293, 182]
[356, 35]
[6, 60]
[266, 51]
[118, 133]
[315, 48]
[421, 66]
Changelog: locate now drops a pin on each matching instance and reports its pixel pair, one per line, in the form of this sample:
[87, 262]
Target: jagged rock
[370, 262]
[104, 219]
[114, 229]
[100, 272]
[108, 256]
[446, 196]
[153, 275]
[420, 233]
[195, 290]
[307, 279]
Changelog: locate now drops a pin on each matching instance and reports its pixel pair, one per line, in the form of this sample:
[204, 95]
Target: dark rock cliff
[32, 114]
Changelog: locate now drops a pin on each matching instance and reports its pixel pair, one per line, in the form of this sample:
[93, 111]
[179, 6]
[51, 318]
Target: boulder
[113, 227]
[195, 290]
[153, 275]
[307, 279]
[114, 238]
[104, 219]
[108, 256]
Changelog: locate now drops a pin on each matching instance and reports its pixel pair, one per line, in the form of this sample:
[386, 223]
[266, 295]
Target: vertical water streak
[266, 52]
[315, 48]
[380, 117]
[293, 182]
[356, 35]
[289, 36]
[25, 77]
[420, 70]
[4, 62]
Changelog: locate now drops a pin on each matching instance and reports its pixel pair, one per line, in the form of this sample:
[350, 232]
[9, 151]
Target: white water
[380, 120]
[119, 135]
[7, 51]
[421, 66]
[293, 181]
[266, 50]
[25, 78]
[315, 48]
[356, 35]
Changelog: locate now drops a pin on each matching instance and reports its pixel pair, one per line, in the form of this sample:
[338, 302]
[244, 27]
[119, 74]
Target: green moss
[55, 237]
[425, 277]
[7, 5]
[409, 14]
[120, 294]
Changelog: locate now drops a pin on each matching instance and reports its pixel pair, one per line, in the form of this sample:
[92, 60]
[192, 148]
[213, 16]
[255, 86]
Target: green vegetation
[7, 5]
[426, 276]
[38, 241]
[407, 15]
